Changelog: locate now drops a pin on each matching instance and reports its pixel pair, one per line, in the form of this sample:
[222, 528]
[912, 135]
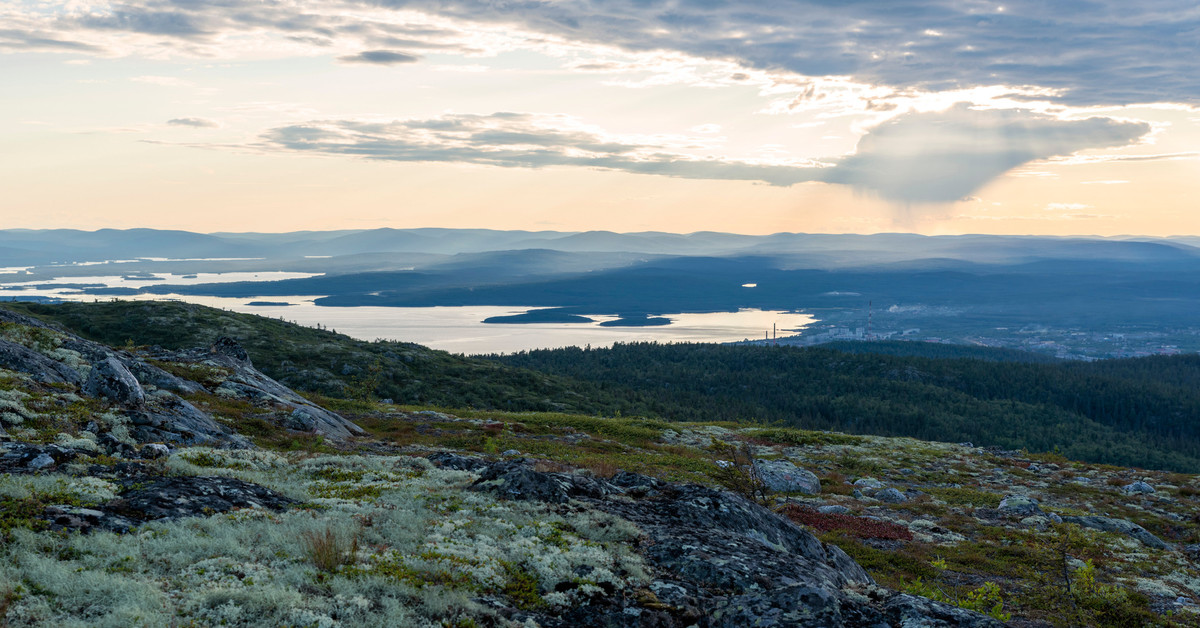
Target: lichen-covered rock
[448, 460]
[868, 484]
[16, 357]
[30, 458]
[781, 476]
[1119, 526]
[891, 496]
[513, 480]
[1019, 504]
[190, 496]
[1137, 488]
[109, 379]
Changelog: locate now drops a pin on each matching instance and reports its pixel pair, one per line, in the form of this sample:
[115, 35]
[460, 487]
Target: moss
[889, 568]
[962, 496]
[793, 437]
[334, 474]
[521, 587]
[341, 491]
[206, 375]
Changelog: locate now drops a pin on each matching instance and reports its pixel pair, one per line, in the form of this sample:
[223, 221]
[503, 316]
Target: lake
[454, 329]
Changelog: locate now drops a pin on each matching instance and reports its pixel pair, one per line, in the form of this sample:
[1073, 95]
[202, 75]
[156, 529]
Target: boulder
[154, 451]
[891, 496]
[781, 476]
[1137, 488]
[230, 348]
[868, 484]
[110, 380]
[1020, 505]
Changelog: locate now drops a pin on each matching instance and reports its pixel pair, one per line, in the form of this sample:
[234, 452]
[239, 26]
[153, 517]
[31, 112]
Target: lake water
[454, 329]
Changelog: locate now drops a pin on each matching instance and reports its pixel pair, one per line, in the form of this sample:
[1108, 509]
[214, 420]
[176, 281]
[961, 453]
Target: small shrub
[329, 550]
[986, 598]
[735, 471]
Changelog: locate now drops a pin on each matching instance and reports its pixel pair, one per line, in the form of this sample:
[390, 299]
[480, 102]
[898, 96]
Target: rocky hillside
[185, 487]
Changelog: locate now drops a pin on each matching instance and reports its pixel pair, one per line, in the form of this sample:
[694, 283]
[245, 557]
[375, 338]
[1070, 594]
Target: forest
[1137, 412]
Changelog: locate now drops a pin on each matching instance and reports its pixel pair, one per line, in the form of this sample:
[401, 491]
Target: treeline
[1140, 412]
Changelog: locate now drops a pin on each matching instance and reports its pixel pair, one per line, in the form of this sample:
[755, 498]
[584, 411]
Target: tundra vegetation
[375, 529]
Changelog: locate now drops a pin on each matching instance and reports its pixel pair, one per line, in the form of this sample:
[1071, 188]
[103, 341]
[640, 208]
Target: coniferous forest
[1139, 412]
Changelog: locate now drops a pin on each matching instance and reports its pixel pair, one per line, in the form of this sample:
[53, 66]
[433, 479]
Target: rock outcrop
[719, 559]
[151, 403]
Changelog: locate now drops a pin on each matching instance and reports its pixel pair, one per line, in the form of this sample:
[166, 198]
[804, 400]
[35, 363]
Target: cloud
[1085, 52]
[523, 140]
[379, 57]
[203, 123]
[942, 157]
[914, 158]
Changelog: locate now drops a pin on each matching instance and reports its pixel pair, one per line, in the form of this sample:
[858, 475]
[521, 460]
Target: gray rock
[891, 496]
[230, 348]
[914, 611]
[151, 375]
[833, 509]
[110, 380]
[1019, 504]
[515, 481]
[154, 451]
[510, 452]
[41, 461]
[1120, 526]
[301, 420]
[72, 518]
[22, 359]
[781, 476]
[1137, 488]
[16, 457]
[190, 496]
[447, 460]
[868, 484]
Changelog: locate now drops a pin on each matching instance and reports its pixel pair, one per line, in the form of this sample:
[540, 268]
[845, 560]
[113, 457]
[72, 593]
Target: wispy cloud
[202, 123]
[914, 158]
[523, 140]
[380, 57]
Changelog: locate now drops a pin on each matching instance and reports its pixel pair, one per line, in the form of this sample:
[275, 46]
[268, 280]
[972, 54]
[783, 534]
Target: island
[547, 315]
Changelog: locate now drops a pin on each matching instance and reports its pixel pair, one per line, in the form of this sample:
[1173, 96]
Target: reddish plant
[859, 527]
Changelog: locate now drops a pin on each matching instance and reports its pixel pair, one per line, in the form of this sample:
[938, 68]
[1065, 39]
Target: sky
[820, 116]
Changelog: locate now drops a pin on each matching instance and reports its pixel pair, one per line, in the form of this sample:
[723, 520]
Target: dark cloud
[1096, 51]
[1093, 51]
[380, 57]
[203, 123]
[914, 158]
